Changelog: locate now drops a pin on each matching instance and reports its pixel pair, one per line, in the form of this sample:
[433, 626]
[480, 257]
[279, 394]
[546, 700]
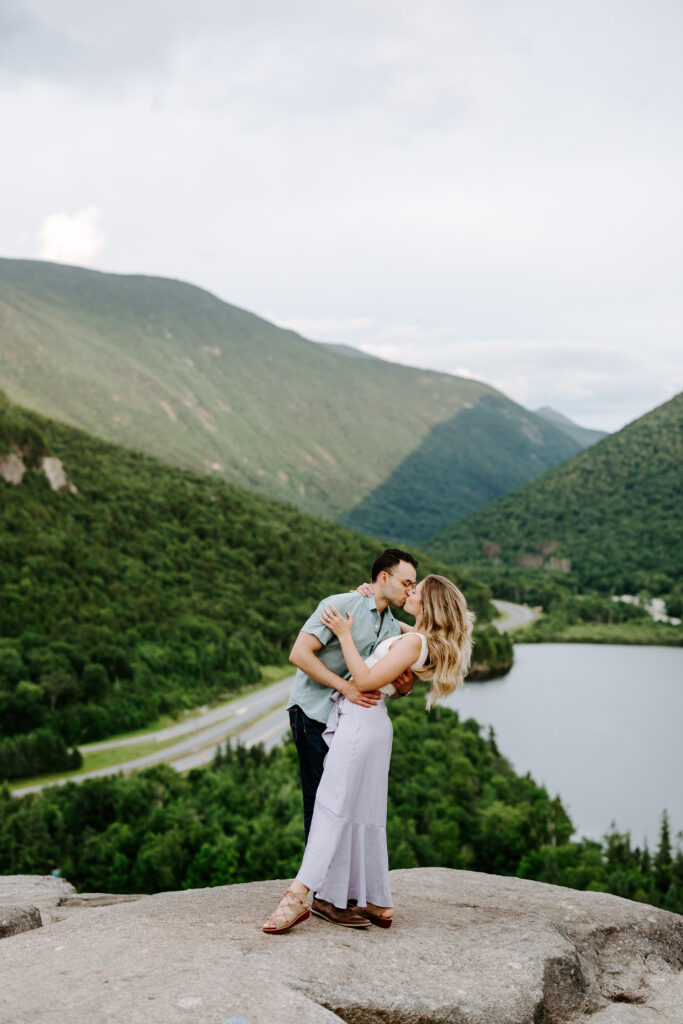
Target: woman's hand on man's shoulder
[337, 622]
[365, 590]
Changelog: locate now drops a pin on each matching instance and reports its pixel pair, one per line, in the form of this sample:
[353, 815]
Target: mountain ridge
[584, 436]
[464, 462]
[166, 367]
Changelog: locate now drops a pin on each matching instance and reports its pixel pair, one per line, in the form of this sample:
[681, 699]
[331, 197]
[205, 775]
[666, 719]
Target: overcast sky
[489, 188]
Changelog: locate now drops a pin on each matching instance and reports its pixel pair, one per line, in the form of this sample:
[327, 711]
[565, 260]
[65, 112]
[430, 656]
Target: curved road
[203, 735]
[513, 615]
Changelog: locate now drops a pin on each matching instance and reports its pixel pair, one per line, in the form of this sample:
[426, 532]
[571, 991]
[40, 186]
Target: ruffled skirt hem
[346, 860]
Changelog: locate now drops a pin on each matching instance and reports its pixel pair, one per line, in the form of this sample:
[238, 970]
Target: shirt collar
[372, 604]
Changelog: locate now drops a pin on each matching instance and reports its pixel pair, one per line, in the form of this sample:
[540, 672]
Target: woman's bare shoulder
[409, 641]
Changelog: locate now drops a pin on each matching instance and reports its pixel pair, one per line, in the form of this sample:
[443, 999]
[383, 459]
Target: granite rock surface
[465, 948]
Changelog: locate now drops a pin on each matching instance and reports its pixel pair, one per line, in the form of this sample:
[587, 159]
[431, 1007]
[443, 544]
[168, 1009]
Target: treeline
[492, 654]
[454, 801]
[38, 752]
[614, 866]
[150, 590]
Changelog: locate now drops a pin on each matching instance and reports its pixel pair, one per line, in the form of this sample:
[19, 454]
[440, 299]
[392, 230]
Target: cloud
[380, 169]
[72, 238]
[597, 384]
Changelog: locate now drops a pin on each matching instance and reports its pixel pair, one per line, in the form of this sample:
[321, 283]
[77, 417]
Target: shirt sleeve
[313, 625]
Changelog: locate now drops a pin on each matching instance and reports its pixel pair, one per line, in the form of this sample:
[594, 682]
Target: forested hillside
[609, 519]
[463, 463]
[166, 368]
[141, 589]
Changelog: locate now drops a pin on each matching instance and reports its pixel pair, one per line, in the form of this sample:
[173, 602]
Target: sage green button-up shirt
[369, 628]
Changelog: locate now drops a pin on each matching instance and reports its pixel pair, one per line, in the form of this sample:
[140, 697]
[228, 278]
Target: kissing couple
[350, 655]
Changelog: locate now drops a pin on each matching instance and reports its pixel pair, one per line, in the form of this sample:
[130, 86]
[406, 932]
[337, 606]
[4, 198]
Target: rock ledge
[465, 948]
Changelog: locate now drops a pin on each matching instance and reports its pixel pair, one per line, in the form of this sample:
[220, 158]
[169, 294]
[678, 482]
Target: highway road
[224, 718]
[270, 731]
[259, 717]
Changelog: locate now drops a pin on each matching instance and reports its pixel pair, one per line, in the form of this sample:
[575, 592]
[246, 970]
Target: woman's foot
[381, 916]
[292, 908]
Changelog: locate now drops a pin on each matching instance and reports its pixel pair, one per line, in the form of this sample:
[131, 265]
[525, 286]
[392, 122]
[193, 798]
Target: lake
[600, 725]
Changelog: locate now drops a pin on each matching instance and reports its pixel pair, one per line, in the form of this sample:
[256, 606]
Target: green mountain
[166, 368]
[611, 516]
[584, 436]
[131, 588]
[463, 463]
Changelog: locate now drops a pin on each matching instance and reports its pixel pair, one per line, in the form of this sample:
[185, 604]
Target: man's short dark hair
[388, 559]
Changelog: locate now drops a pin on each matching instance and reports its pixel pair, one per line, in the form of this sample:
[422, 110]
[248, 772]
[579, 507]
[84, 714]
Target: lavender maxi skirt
[346, 854]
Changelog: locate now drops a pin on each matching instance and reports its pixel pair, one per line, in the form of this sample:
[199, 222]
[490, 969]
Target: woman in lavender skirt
[346, 854]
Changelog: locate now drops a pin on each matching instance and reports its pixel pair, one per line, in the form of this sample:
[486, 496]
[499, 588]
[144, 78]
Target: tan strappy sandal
[290, 910]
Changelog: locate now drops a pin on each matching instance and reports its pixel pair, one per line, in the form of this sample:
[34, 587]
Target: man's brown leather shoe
[349, 918]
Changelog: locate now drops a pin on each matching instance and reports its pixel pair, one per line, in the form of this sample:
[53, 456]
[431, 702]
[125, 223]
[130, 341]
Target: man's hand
[356, 696]
[404, 683]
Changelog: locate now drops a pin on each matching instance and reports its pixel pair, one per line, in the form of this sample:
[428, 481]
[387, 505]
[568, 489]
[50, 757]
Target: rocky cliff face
[465, 948]
[13, 469]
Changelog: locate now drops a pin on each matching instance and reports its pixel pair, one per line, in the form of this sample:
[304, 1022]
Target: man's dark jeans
[312, 750]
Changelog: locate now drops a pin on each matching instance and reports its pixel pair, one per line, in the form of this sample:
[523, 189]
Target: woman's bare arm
[403, 652]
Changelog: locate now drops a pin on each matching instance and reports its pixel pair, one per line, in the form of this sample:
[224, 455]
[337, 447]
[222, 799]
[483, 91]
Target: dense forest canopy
[607, 521]
[150, 589]
[462, 464]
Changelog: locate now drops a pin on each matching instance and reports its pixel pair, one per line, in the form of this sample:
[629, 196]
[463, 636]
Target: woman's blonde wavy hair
[447, 623]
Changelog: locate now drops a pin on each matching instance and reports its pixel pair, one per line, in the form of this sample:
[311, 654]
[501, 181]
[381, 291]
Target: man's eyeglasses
[406, 584]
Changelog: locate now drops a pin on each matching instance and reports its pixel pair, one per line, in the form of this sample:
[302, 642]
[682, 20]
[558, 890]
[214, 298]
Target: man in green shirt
[321, 668]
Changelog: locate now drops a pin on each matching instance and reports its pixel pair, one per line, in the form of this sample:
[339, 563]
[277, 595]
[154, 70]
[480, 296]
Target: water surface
[600, 725]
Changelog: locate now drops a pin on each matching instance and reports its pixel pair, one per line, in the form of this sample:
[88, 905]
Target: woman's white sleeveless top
[381, 649]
